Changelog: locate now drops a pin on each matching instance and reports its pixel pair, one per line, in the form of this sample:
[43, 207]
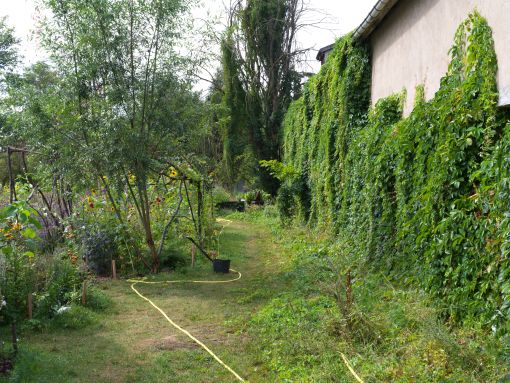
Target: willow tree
[115, 113]
[260, 56]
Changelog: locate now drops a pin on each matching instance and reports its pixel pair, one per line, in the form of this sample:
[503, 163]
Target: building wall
[410, 46]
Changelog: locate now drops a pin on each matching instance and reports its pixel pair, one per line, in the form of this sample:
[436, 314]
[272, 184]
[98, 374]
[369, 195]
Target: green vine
[318, 128]
[426, 197]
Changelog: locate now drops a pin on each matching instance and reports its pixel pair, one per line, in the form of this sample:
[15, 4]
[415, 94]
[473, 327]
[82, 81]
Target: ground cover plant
[386, 331]
[282, 322]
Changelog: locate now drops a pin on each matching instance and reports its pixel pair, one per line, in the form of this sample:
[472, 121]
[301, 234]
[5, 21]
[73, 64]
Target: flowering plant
[18, 241]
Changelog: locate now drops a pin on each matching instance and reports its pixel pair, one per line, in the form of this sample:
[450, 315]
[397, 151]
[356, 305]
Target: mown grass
[279, 323]
[132, 342]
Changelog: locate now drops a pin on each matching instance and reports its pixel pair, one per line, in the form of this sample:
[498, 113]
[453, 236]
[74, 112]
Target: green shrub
[62, 288]
[74, 318]
[97, 300]
[99, 251]
[286, 202]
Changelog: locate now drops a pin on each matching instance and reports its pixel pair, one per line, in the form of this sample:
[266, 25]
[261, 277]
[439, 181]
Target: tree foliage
[8, 42]
[113, 108]
[259, 63]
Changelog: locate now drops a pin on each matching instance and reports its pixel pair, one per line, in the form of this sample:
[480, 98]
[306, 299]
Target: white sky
[343, 16]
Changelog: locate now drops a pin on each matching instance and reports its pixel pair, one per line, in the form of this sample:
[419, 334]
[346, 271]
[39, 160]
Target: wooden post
[114, 269]
[30, 305]
[84, 293]
[193, 254]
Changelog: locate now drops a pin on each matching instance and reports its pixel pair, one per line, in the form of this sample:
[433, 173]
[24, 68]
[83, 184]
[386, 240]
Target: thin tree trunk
[12, 183]
[167, 226]
[200, 208]
[112, 200]
[190, 207]
[47, 203]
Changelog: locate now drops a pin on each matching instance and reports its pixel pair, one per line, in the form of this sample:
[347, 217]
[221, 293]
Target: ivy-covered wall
[319, 127]
[426, 197]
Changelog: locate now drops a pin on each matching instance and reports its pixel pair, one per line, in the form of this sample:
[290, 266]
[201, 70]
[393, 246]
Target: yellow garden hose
[134, 282]
[351, 369]
[185, 332]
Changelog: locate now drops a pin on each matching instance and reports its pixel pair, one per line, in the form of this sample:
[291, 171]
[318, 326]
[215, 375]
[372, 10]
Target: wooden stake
[30, 305]
[114, 269]
[84, 293]
[193, 254]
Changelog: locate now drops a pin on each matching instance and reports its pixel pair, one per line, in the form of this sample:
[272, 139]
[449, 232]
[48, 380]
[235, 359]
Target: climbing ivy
[319, 126]
[426, 197]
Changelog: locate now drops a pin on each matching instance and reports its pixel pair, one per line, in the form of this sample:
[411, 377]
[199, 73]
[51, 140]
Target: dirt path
[134, 343]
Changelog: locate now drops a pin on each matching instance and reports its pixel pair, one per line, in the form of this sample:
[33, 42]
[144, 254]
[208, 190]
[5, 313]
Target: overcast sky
[344, 15]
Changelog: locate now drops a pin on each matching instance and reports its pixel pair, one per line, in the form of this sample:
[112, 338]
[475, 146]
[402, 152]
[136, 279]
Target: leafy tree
[114, 109]
[8, 59]
[8, 42]
[259, 62]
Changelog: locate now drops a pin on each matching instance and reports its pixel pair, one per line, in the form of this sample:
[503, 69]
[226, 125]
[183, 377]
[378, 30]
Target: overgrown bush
[61, 288]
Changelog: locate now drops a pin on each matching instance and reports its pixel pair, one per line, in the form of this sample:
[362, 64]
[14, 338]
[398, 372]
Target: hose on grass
[351, 370]
[134, 282]
[185, 332]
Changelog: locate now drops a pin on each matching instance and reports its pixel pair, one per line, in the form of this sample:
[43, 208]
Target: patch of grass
[391, 333]
[125, 342]
[35, 364]
[280, 323]
[76, 318]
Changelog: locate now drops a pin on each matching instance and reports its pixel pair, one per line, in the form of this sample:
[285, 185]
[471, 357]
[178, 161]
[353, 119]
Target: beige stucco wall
[410, 47]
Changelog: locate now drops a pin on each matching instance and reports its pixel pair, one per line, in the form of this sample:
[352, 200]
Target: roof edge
[376, 15]
[323, 50]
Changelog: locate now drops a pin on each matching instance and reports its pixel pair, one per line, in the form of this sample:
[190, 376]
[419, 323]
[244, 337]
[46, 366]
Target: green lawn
[279, 323]
[132, 342]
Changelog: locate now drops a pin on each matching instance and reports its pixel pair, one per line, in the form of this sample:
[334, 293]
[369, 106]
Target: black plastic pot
[221, 265]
